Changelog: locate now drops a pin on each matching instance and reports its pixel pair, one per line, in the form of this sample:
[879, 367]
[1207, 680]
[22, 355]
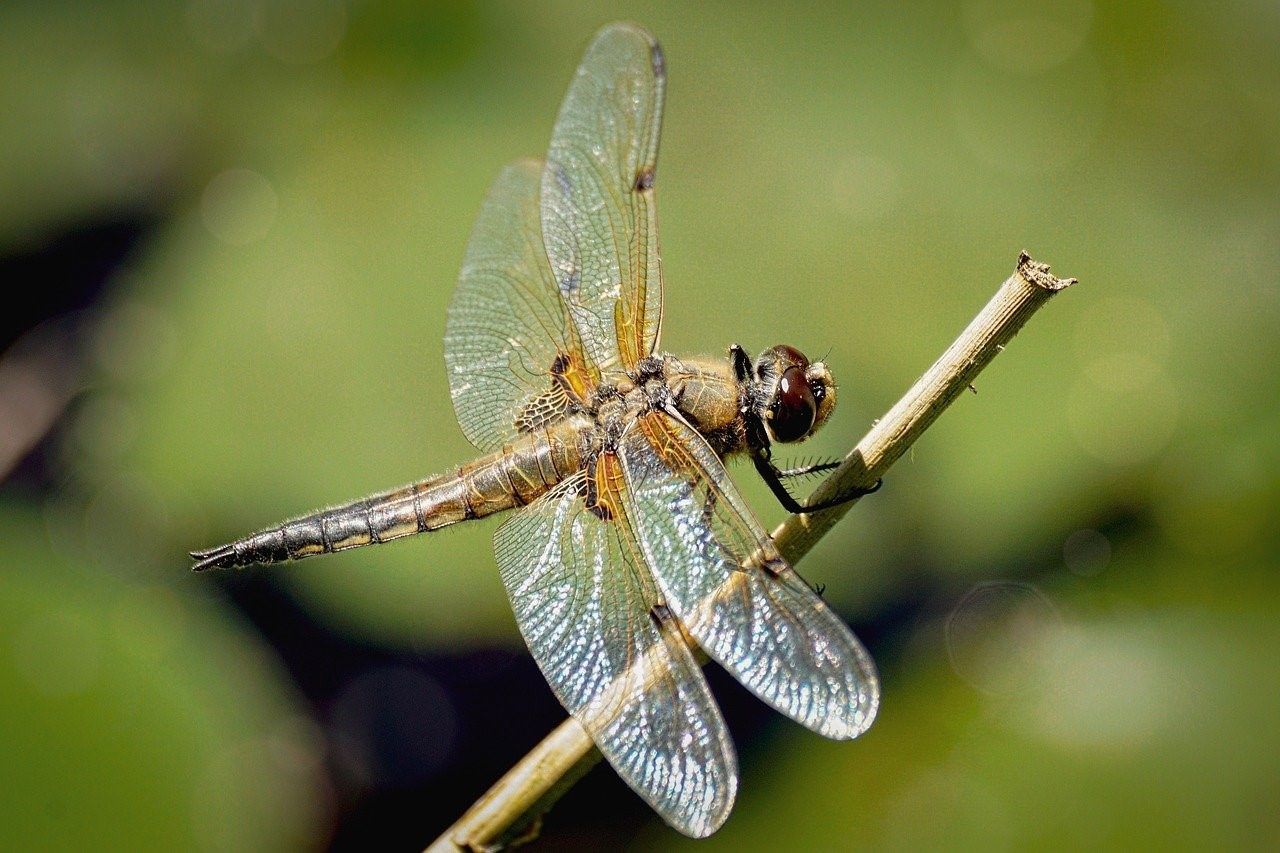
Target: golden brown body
[511, 477]
[706, 392]
[703, 390]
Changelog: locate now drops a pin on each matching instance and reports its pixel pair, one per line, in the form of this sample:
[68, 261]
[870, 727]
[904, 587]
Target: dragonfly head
[796, 396]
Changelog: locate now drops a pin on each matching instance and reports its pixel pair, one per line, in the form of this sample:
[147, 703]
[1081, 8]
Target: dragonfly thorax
[781, 397]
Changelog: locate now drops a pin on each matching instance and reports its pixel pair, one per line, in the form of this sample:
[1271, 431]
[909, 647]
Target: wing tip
[852, 720]
[705, 823]
[704, 828]
[658, 58]
[630, 29]
[625, 28]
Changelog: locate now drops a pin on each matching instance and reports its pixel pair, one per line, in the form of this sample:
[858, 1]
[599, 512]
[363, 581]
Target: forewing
[585, 603]
[599, 218]
[514, 357]
[724, 578]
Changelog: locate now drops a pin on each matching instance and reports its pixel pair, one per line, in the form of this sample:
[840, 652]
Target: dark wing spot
[569, 284]
[644, 180]
[659, 61]
[660, 614]
[592, 500]
[562, 180]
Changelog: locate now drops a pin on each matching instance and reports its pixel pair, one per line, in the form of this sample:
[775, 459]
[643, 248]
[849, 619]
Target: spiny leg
[773, 477]
[806, 470]
[761, 454]
[741, 362]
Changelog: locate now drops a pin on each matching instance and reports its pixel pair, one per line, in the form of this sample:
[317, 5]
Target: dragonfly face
[628, 539]
[796, 397]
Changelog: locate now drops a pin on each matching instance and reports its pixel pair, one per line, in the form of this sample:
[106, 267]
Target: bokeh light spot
[243, 773]
[1029, 125]
[1121, 326]
[394, 726]
[239, 206]
[1123, 410]
[1027, 36]
[301, 31]
[1107, 687]
[988, 629]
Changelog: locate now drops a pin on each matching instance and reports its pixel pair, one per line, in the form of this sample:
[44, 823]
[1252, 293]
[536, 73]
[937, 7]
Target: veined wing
[724, 578]
[514, 356]
[599, 218]
[588, 610]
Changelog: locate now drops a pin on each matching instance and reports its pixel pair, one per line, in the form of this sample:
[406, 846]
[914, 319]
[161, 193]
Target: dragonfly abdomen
[513, 476]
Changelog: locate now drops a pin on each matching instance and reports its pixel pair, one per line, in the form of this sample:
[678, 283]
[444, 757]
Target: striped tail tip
[214, 558]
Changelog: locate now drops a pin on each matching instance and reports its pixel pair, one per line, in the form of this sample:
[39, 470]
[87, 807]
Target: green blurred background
[230, 230]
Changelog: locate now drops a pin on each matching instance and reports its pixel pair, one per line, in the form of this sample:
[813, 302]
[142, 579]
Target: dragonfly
[628, 548]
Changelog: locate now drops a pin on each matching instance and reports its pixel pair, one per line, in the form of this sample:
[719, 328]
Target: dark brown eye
[794, 410]
[792, 355]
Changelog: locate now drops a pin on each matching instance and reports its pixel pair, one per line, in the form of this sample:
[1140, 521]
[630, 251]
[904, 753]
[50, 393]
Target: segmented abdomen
[511, 477]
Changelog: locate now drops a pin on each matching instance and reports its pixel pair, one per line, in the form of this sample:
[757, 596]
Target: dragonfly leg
[773, 476]
[852, 494]
[741, 362]
[805, 470]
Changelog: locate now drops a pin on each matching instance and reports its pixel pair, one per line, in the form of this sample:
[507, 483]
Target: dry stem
[511, 810]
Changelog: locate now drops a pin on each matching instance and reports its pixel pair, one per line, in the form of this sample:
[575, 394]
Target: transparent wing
[587, 608]
[724, 578]
[514, 357]
[599, 218]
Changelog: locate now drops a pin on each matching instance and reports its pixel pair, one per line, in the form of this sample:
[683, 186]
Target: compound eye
[794, 410]
[792, 355]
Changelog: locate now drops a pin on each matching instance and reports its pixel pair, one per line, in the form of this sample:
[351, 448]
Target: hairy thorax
[703, 390]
